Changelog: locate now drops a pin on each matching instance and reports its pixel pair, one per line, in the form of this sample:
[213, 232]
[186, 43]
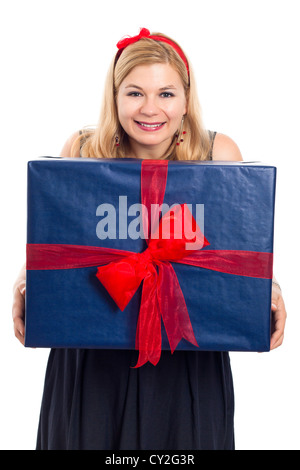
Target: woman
[93, 399]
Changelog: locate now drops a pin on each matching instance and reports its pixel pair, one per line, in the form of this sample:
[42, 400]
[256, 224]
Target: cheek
[175, 117]
[175, 111]
[126, 111]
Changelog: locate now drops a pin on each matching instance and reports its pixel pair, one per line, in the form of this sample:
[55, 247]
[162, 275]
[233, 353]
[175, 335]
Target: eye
[167, 94]
[134, 93]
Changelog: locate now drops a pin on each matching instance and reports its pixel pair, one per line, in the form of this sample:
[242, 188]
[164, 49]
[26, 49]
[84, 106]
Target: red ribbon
[121, 272]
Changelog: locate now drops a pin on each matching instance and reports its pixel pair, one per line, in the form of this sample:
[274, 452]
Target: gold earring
[181, 132]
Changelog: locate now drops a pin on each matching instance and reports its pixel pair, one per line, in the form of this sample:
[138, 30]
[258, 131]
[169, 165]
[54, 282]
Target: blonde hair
[101, 142]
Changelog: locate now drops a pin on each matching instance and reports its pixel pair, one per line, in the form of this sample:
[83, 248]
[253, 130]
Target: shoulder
[226, 149]
[67, 148]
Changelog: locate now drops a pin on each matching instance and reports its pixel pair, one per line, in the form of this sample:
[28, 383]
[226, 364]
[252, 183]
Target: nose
[149, 107]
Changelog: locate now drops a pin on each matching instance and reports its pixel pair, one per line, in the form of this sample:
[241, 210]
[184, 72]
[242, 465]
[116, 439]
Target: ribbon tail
[148, 333]
[173, 308]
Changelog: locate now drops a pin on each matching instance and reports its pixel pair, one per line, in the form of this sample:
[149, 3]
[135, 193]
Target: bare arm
[226, 149]
[66, 150]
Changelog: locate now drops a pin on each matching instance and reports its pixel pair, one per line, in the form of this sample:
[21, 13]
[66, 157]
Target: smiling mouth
[153, 126]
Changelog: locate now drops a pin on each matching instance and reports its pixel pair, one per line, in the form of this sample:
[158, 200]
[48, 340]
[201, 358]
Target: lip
[148, 126]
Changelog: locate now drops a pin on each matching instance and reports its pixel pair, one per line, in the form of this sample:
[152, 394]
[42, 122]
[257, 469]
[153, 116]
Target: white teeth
[150, 125]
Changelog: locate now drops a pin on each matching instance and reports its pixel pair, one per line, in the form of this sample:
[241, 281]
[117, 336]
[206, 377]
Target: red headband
[145, 33]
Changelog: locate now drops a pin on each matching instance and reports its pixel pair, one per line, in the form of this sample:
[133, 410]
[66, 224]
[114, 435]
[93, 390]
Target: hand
[278, 317]
[18, 309]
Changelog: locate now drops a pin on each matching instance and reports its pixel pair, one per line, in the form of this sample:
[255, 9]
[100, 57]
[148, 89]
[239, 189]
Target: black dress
[94, 399]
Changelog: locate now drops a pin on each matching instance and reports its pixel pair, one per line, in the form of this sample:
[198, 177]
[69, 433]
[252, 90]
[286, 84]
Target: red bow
[161, 295]
[144, 33]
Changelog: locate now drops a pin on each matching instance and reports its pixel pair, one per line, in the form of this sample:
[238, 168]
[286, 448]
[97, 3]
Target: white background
[54, 57]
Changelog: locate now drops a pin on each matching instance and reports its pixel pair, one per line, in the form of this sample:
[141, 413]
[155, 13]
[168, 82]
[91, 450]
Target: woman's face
[151, 103]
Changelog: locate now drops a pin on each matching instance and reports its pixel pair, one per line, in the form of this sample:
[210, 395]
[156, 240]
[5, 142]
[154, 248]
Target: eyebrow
[169, 87]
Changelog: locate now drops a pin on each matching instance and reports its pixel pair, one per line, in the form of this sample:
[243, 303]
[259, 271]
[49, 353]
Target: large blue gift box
[96, 203]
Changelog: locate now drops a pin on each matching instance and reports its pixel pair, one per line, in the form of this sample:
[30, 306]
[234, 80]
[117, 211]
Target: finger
[18, 314]
[276, 340]
[18, 308]
[279, 321]
[19, 329]
[276, 337]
